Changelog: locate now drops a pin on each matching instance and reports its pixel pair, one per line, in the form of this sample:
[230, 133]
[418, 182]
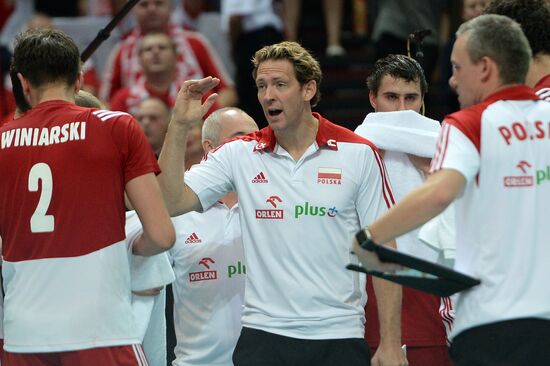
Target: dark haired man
[407, 140]
[65, 170]
[534, 18]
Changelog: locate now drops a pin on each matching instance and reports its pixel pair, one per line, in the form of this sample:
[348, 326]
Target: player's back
[62, 222]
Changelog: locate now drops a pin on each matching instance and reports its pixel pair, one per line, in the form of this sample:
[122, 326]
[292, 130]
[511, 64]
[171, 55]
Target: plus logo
[308, 209]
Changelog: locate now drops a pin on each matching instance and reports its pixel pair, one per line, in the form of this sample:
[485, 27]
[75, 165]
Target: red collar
[516, 92]
[326, 136]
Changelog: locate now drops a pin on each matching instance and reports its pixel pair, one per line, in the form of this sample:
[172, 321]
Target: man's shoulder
[332, 134]
[105, 115]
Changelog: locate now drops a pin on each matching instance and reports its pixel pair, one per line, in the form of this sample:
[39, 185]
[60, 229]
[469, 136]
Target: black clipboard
[425, 276]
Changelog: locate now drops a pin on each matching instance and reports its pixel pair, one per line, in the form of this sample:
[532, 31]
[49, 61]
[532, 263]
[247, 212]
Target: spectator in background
[333, 23]
[195, 57]
[250, 24]
[157, 58]
[153, 115]
[534, 18]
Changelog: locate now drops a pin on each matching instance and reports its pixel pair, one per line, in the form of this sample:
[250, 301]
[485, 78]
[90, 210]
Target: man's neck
[297, 140]
[540, 67]
[51, 92]
[160, 82]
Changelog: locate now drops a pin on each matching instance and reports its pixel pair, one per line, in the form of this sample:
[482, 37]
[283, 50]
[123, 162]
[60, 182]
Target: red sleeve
[209, 61]
[137, 156]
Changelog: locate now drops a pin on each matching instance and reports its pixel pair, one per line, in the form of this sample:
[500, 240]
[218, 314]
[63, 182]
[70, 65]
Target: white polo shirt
[209, 288]
[298, 219]
[502, 147]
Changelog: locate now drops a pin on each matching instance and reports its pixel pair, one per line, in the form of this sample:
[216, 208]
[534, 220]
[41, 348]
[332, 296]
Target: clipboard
[420, 274]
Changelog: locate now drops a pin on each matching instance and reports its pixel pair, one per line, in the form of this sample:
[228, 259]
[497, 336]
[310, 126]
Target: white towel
[401, 131]
[398, 134]
[440, 234]
[146, 272]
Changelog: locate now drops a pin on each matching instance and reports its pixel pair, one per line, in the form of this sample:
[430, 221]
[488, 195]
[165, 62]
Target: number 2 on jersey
[40, 222]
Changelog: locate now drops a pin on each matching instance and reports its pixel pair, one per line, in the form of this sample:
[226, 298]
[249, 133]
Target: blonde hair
[306, 67]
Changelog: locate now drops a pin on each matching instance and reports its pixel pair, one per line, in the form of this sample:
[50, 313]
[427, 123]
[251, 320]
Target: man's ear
[372, 99]
[486, 68]
[79, 82]
[24, 84]
[309, 89]
[207, 145]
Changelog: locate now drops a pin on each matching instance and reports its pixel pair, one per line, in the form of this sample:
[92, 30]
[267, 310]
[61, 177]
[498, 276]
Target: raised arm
[187, 111]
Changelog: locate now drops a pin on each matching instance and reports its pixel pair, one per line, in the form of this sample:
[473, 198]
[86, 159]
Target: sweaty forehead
[396, 85]
[275, 68]
[155, 39]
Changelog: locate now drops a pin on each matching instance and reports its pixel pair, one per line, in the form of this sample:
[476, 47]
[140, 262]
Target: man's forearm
[418, 207]
[171, 163]
[388, 299]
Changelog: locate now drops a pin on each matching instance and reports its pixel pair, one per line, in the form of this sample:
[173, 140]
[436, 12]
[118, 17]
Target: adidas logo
[193, 239]
[260, 178]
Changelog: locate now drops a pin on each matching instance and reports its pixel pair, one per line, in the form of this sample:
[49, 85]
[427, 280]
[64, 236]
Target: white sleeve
[374, 196]
[146, 272]
[213, 177]
[458, 152]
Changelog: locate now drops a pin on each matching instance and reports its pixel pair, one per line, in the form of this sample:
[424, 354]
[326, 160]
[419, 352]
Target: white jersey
[298, 219]
[209, 288]
[502, 147]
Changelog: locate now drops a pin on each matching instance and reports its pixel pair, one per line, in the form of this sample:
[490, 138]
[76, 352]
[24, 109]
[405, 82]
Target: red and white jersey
[502, 148]
[400, 133]
[298, 219]
[128, 99]
[196, 59]
[65, 270]
[542, 89]
[209, 288]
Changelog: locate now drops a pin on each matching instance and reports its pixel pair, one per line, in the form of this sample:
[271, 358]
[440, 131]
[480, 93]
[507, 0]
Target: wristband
[364, 238]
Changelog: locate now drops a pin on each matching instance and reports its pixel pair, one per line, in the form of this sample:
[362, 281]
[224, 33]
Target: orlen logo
[271, 214]
[208, 275]
[520, 180]
[310, 210]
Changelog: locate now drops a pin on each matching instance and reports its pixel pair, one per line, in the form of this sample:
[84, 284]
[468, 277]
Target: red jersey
[421, 323]
[64, 170]
[196, 59]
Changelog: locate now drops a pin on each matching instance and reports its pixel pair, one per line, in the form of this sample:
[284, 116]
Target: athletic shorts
[511, 343]
[256, 347]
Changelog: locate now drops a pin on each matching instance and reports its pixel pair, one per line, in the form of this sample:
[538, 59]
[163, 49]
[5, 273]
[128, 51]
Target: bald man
[209, 263]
